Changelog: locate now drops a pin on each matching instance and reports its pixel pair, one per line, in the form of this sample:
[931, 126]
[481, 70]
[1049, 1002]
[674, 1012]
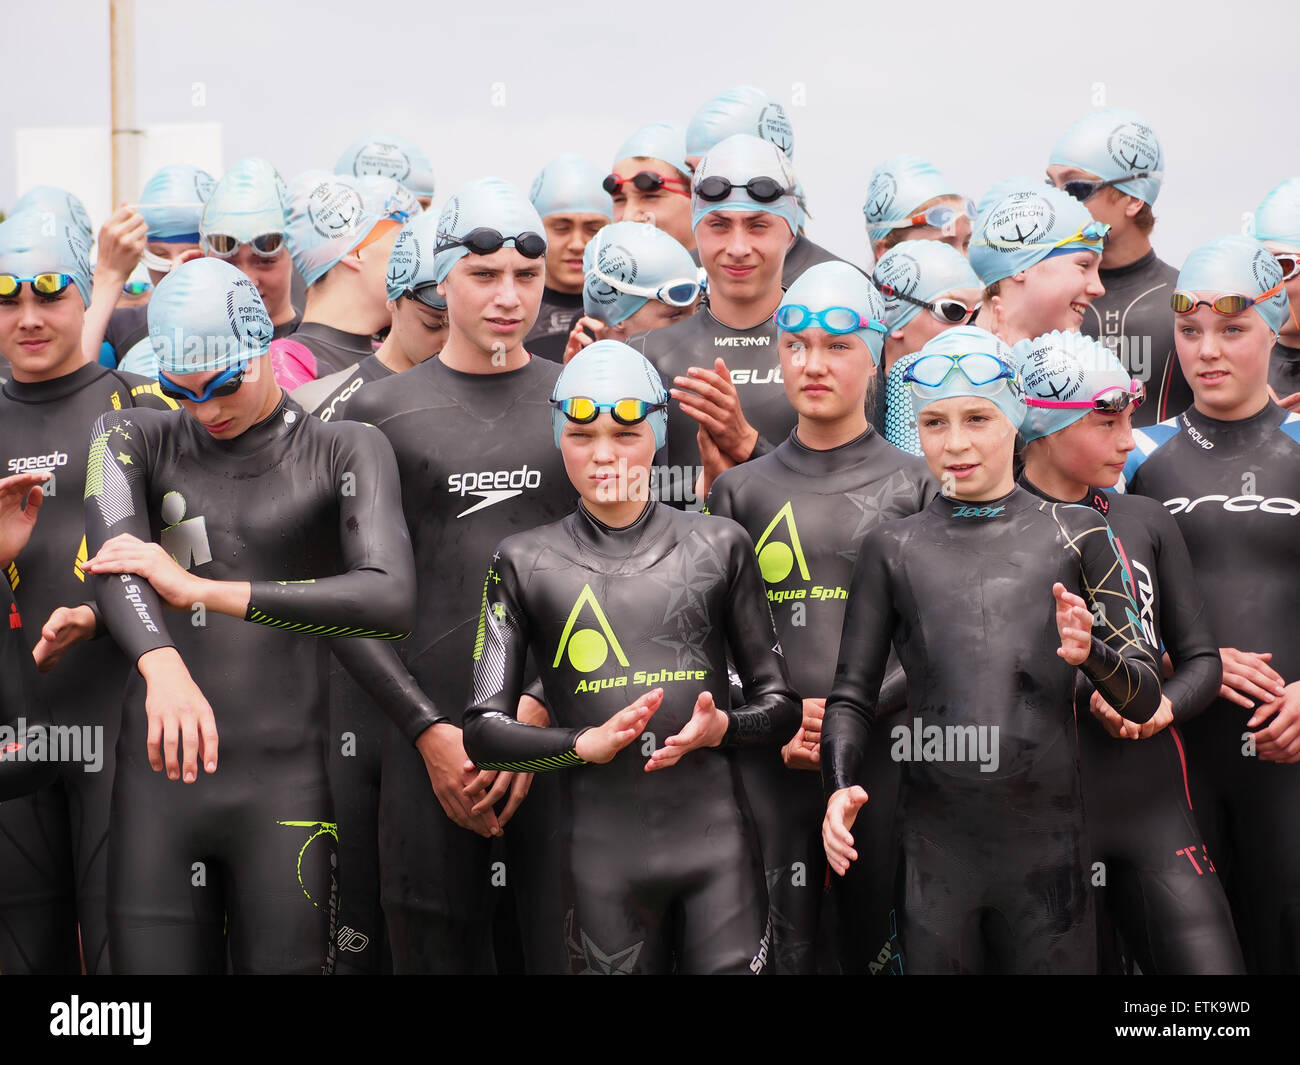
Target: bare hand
[799, 754]
[1279, 740]
[712, 462]
[442, 747]
[706, 728]
[1247, 675]
[121, 243]
[1074, 623]
[711, 399]
[1122, 728]
[841, 812]
[20, 503]
[1291, 402]
[599, 745]
[129, 554]
[579, 338]
[182, 727]
[66, 627]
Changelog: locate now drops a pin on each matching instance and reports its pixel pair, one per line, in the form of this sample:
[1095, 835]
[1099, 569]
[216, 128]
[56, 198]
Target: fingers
[171, 737]
[500, 788]
[153, 743]
[208, 738]
[519, 785]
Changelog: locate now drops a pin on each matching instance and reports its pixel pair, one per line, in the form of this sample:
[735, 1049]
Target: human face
[924, 326]
[1291, 327]
[493, 300]
[743, 253]
[609, 464]
[173, 253]
[1108, 205]
[567, 235]
[273, 278]
[826, 374]
[1055, 293]
[41, 335]
[226, 417]
[1225, 360]
[1089, 452]
[418, 329]
[650, 316]
[968, 444]
[957, 233]
[665, 208]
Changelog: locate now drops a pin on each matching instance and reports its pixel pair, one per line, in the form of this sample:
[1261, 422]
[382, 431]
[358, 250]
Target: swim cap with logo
[488, 203]
[632, 253]
[1007, 394]
[1065, 368]
[1028, 225]
[924, 270]
[388, 156]
[60, 202]
[172, 203]
[327, 219]
[1110, 143]
[898, 186]
[606, 372]
[571, 185]
[742, 109]
[740, 158]
[657, 140]
[1241, 265]
[387, 198]
[206, 315]
[36, 241]
[248, 201]
[839, 284]
[1277, 218]
[411, 262]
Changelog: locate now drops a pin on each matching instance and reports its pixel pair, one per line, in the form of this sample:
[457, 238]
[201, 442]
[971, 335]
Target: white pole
[126, 143]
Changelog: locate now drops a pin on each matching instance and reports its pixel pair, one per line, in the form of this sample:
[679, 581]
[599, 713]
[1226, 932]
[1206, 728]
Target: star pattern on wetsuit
[599, 963]
[789, 950]
[688, 575]
[877, 506]
[124, 458]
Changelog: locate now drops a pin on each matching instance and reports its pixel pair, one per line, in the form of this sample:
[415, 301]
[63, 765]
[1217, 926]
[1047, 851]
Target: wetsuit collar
[1271, 416]
[353, 342]
[1131, 268]
[561, 299]
[983, 510]
[286, 417]
[56, 388]
[796, 456]
[1097, 498]
[595, 535]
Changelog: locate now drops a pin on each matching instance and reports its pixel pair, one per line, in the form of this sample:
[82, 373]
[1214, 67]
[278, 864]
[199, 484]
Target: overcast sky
[982, 97]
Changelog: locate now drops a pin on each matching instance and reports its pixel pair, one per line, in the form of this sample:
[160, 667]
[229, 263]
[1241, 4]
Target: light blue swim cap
[632, 254]
[206, 315]
[249, 200]
[606, 372]
[388, 156]
[411, 263]
[1007, 394]
[1277, 218]
[1028, 225]
[327, 219]
[488, 203]
[37, 241]
[740, 158]
[900, 419]
[743, 109]
[172, 203]
[924, 270]
[61, 203]
[1110, 143]
[571, 185]
[997, 190]
[898, 186]
[839, 284]
[1241, 265]
[387, 198]
[1064, 368]
[658, 140]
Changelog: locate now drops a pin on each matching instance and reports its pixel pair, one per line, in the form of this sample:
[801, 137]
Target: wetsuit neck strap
[812, 462]
[55, 388]
[983, 509]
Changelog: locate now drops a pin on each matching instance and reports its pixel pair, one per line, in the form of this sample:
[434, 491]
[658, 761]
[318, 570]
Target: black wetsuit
[554, 320]
[54, 844]
[994, 863]
[23, 722]
[663, 869]
[751, 357]
[326, 397]
[1134, 320]
[1234, 490]
[311, 515]
[478, 462]
[1284, 370]
[803, 253]
[334, 349]
[806, 512]
[127, 327]
[1150, 860]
